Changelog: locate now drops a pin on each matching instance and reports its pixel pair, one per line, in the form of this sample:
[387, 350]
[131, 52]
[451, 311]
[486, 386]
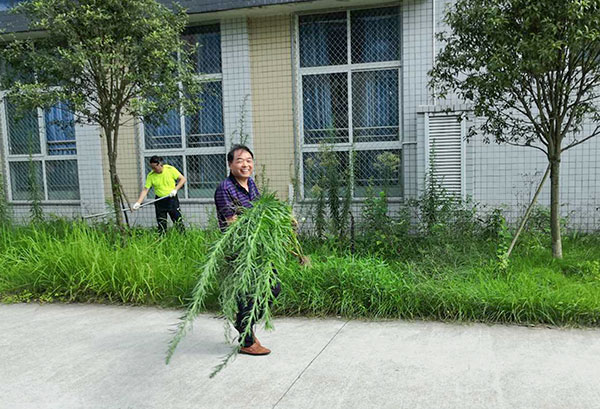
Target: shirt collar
[237, 184]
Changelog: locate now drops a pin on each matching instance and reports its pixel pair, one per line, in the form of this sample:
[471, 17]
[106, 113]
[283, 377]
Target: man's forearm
[142, 195]
[180, 182]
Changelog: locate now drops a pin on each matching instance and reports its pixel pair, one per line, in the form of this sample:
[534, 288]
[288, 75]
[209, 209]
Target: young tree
[531, 69]
[107, 61]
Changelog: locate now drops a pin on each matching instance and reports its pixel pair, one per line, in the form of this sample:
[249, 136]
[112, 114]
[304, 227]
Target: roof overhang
[211, 10]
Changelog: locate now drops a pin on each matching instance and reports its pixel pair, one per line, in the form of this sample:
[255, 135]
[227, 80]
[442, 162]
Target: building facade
[289, 78]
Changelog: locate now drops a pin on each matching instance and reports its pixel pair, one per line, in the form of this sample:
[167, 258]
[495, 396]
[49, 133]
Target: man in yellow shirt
[166, 181]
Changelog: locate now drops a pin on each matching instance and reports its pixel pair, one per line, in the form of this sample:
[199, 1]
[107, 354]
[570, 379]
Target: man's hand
[136, 206]
[173, 193]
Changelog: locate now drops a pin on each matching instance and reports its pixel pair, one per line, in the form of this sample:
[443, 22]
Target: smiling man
[231, 197]
[239, 189]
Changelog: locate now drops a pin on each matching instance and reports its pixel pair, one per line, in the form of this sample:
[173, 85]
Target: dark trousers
[244, 308]
[168, 206]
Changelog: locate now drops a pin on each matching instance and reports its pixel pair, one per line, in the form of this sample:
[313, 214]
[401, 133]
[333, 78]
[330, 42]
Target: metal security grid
[41, 153]
[349, 96]
[194, 144]
[8, 4]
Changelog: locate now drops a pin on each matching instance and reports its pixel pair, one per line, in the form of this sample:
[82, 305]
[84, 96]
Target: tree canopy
[106, 60]
[530, 69]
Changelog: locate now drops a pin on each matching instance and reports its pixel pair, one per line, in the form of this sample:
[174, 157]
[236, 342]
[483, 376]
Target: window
[195, 144]
[349, 68]
[8, 4]
[42, 153]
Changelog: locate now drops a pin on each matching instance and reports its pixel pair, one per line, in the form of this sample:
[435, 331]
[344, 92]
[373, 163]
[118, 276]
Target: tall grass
[80, 263]
[457, 278]
[531, 290]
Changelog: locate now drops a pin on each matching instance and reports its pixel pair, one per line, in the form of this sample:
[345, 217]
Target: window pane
[205, 172]
[63, 180]
[323, 39]
[205, 128]
[317, 164]
[165, 134]
[208, 53]
[375, 35]
[380, 169]
[60, 130]
[25, 177]
[8, 4]
[23, 131]
[325, 105]
[375, 106]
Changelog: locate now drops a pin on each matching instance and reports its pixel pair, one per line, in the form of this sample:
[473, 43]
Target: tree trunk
[114, 179]
[555, 207]
[114, 184]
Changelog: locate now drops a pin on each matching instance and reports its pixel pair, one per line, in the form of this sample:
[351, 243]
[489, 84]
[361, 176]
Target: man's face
[157, 167]
[242, 165]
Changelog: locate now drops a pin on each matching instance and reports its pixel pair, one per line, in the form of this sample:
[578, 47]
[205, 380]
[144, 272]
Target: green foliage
[333, 181]
[240, 136]
[530, 70]
[107, 61]
[244, 261]
[507, 57]
[109, 58]
[79, 263]
[440, 213]
[539, 221]
[387, 164]
[262, 181]
[504, 238]
[449, 278]
[379, 232]
[462, 282]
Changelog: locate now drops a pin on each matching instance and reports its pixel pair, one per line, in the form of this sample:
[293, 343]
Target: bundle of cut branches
[244, 262]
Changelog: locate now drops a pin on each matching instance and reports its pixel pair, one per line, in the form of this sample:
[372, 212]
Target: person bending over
[166, 181]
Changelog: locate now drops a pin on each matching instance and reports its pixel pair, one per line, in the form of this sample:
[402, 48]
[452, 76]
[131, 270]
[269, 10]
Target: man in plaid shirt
[233, 195]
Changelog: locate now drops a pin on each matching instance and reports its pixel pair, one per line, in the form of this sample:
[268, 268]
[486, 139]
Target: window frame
[349, 68]
[184, 151]
[43, 157]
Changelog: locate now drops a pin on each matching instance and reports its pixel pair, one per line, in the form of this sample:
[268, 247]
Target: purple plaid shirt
[231, 197]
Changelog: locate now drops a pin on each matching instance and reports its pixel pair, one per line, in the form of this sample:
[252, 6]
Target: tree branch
[595, 133]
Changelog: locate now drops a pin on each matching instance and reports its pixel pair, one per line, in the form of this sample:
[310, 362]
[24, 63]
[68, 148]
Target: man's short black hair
[237, 148]
[156, 159]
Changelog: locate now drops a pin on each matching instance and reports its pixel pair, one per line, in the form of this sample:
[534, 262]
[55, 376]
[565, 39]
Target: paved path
[110, 357]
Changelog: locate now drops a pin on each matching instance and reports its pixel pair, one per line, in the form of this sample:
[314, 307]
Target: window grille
[349, 69]
[42, 153]
[195, 143]
[8, 4]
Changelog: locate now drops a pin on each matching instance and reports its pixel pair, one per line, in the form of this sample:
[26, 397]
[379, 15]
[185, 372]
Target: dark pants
[168, 206]
[244, 309]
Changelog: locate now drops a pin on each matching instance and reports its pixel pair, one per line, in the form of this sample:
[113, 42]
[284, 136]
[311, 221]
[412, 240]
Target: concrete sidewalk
[92, 356]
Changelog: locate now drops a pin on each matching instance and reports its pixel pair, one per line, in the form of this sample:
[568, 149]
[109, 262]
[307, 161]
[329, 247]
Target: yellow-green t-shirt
[164, 182]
